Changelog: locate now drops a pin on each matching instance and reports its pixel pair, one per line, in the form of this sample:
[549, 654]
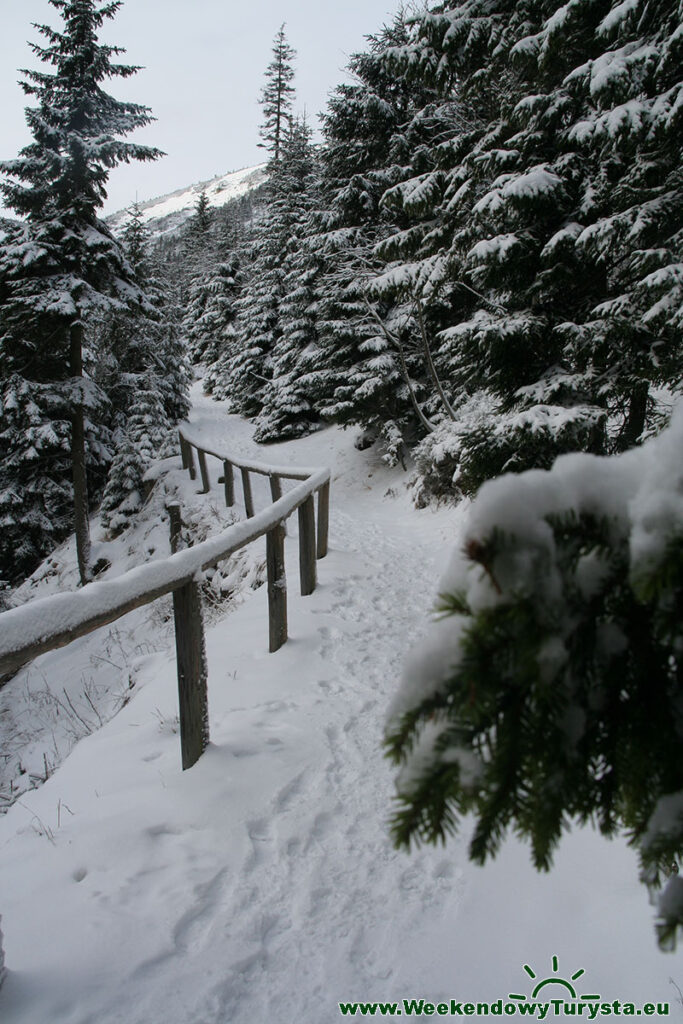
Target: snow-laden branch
[394, 340]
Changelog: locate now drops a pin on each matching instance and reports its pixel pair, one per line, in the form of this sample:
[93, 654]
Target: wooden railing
[48, 623]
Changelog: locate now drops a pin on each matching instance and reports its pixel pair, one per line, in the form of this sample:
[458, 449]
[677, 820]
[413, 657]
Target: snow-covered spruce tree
[287, 410]
[140, 341]
[123, 495]
[171, 368]
[149, 391]
[359, 377]
[161, 349]
[200, 252]
[549, 691]
[145, 435]
[457, 256]
[36, 496]
[136, 241]
[68, 264]
[217, 325]
[121, 336]
[555, 210]
[244, 378]
[148, 424]
[245, 371]
[202, 213]
[194, 267]
[624, 92]
[277, 96]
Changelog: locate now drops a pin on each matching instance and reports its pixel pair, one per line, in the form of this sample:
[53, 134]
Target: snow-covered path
[318, 872]
[327, 825]
[261, 885]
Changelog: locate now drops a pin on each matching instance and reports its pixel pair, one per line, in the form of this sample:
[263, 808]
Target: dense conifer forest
[478, 267]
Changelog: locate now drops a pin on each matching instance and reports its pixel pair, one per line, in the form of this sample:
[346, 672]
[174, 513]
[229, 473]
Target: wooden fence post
[307, 568]
[183, 451]
[277, 588]
[276, 493]
[323, 519]
[190, 461]
[248, 499]
[275, 487]
[229, 481]
[206, 483]
[175, 522]
[192, 673]
[191, 658]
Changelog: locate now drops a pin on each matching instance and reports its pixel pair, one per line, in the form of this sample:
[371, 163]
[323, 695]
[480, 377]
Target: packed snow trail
[261, 885]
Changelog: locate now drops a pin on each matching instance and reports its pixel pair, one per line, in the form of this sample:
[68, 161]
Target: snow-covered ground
[261, 885]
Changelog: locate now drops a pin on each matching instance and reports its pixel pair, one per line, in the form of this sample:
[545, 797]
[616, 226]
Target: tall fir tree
[277, 96]
[217, 325]
[202, 212]
[147, 340]
[200, 254]
[287, 405]
[66, 263]
[245, 376]
[257, 322]
[36, 493]
[360, 376]
[151, 379]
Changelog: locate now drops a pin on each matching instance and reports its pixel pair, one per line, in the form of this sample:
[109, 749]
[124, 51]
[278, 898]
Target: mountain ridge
[165, 214]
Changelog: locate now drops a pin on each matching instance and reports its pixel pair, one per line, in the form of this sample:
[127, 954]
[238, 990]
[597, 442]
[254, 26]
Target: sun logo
[554, 980]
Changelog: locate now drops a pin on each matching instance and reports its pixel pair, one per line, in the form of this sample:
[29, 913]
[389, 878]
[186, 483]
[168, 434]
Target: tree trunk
[80, 481]
[635, 421]
[430, 362]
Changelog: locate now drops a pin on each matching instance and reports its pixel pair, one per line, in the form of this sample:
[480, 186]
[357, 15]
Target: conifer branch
[396, 342]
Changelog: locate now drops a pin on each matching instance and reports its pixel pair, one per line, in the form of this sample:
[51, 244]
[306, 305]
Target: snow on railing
[48, 623]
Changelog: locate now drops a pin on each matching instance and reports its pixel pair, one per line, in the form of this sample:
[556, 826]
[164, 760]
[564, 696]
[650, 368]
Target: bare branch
[417, 306]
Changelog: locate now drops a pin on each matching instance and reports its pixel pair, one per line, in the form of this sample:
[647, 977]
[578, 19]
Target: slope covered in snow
[166, 214]
[261, 885]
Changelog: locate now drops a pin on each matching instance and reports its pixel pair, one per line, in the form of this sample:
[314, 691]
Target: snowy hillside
[261, 885]
[167, 213]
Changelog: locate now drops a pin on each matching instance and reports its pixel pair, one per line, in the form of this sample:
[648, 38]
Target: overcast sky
[203, 70]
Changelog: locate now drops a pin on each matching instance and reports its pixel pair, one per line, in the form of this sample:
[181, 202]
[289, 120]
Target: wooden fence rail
[48, 623]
